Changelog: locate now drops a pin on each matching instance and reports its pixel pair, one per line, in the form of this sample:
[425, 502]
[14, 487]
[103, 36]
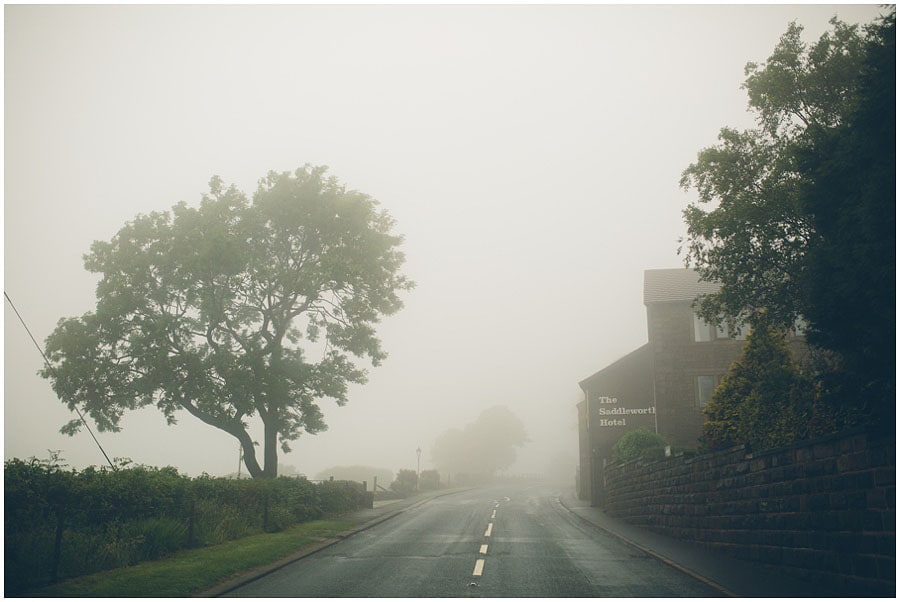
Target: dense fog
[530, 156]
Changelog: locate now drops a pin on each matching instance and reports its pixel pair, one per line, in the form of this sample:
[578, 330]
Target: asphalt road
[504, 541]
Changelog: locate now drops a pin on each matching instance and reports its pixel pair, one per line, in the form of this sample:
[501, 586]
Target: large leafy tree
[235, 310]
[797, 215]
[748, 229]
[849, 174]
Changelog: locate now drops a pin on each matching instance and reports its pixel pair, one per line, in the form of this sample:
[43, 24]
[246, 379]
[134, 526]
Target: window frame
[715, 332]
[711, 384]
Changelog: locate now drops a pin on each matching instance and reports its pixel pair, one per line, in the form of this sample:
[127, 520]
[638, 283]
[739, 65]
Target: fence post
[57, 545]
[190, 533]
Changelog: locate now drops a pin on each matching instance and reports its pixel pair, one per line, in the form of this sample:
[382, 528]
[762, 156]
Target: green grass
[193, 571]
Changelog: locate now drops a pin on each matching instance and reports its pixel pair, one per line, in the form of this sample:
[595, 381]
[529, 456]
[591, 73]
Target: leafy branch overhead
[798, 215]
[749, 228]
[235, 309]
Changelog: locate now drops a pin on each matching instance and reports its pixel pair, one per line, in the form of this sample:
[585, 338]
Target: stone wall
[824, 510]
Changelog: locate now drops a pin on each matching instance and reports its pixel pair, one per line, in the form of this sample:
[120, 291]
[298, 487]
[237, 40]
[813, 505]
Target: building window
[705, 387]
[702, 330]
[705, 332]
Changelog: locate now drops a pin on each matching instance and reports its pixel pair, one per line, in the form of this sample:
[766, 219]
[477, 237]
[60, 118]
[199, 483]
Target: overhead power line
[47, 362]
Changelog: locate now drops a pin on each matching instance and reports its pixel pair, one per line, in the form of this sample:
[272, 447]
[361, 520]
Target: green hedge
[65, 523]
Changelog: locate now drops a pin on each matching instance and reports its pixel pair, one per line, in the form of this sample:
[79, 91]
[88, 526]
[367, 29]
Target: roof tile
[674, 284]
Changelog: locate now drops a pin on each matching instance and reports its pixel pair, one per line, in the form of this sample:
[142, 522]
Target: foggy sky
[529, 154]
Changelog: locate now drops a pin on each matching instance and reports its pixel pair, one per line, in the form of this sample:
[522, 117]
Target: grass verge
[192, 571]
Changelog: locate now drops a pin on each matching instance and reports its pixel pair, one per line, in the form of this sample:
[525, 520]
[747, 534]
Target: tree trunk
[235, 429]
[270, 449]
[250, 456]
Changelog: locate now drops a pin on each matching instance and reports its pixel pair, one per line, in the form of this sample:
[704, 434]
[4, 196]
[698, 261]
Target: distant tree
[765, 400]
[640, 443]
[206, 309]
[405, 483]
[483, 447]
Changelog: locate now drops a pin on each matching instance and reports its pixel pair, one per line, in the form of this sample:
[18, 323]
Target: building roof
[639, 359]
[674, 284]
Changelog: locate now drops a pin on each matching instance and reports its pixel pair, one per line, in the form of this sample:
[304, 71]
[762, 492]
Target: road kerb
[254, 574]
[705, 580]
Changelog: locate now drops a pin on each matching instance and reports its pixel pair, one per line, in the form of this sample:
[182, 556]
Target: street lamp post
[418, 463]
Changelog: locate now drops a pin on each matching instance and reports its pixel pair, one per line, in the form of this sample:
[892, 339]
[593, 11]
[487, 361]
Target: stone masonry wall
[823, 511]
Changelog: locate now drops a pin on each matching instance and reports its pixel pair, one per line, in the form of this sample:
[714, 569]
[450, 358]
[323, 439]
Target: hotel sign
[608, 413]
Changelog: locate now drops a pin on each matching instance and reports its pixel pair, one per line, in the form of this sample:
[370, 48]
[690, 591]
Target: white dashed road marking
[479, 564]
[479, 567]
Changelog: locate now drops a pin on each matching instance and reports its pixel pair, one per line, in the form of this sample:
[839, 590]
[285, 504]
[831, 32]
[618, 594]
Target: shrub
[429, 479]
[405, 483]
[765, 400]
[340, 496]
[641, 443]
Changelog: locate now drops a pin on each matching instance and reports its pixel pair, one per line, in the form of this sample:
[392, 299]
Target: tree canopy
[235, 309]
[797, 215]
[483, 447]
[850, 178]
[754, 236]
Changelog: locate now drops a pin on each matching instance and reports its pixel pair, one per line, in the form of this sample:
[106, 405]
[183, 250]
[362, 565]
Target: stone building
[662, 385]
